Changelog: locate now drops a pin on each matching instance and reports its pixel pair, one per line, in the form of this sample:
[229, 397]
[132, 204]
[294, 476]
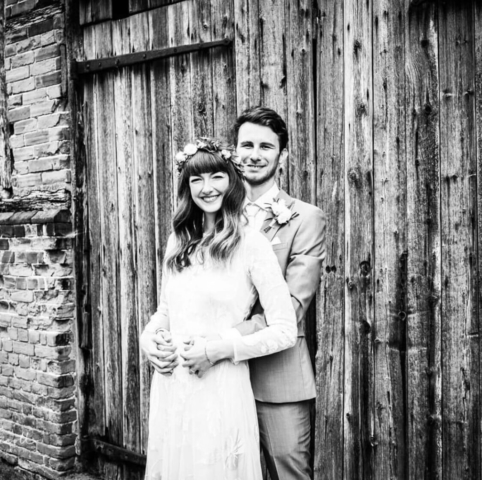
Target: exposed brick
[5, 320]
[51, 216]
[46, 66]
[58, 176]
[48, 38]
[24, 361]
[23, 296]
[17, 74]
[15, 101]
[28, 44]
[21, 270]
[62, 440]
[13, 359]
[10, 50]
[47, 79]
[20, 322]
[12, 333]
[52, 148]
[23, 348]
[16, 35]
[7, 345]
[33, 336]
[22, 59]
[54, 353]
[59, 133]
[7, 370]
[22, 335]
[47, 52]
[59, 21]
[26, 85]
[26, 374]
[4, 244]
[41, 27]
[58, 381]
[36, 138]
[57, 119]
[4, 357]
[22, 7]
[7, 257]
[25, 126]
[30, 180]
[22, 154]
[17, 141]
[56, 452]
[55, 92]
[35, 96]
[43, 108]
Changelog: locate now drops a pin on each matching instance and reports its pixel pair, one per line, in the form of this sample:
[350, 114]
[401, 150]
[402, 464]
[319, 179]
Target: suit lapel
[266, 230]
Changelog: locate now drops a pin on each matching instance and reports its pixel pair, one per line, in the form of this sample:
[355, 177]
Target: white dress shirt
[256, 211]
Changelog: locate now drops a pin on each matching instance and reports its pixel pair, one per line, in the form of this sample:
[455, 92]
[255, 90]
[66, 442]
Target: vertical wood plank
[138, 5]
[390, 195]
[300, 99]
[101, 10]
[248, 80]
[460, 325]
[127, 289]
[85, 11]
[478, 123]
[201, 70]
[162, 149]
[330, 176]
[424, 432]
[94, 398]
[223, 70]
[5, 154]
[180, 16]
[272, 43]
[144, 199]
[104, 86]
[359, 321]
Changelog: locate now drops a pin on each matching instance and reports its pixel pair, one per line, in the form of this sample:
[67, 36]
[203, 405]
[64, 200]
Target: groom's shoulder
[307, 211]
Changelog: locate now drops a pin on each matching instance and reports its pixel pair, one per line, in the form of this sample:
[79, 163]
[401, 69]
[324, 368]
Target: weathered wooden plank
[105, 130]
[101, 10]
[127, 288]
[300, 99]
[478, 123]
[423, 372]
[6, 163]
[248, 80]
[460, 323]
[85, 11]
[272, 47]
[201, 70]
[94, 398]
[359, 308]
[145, 204]
[182, 124]
[223, 68]
[330, 179]
[138, 5]
[390, 171]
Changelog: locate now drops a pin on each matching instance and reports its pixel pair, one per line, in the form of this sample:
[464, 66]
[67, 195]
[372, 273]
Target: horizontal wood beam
[115, 453]
[100, 64]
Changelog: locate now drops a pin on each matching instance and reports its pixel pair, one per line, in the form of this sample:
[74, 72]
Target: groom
[283, 383]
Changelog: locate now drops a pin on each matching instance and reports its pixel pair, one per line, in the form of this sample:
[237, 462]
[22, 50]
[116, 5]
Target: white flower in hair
[190, 149]
[226, 154]
[180, 157]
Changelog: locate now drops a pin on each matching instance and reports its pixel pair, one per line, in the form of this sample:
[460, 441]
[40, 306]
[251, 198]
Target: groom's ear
[283, 155]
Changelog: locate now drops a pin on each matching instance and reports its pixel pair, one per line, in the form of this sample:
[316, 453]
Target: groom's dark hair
[267, 118]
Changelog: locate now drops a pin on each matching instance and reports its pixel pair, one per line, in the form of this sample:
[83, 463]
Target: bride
[202, 421]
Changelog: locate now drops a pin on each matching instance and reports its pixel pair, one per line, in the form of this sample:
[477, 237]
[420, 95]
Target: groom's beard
[270, 172]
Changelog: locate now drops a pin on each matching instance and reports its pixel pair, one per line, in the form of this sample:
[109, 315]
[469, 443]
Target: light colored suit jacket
[288, 376]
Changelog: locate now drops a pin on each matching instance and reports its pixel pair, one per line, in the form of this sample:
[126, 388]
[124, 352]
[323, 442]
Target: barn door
[136, 116]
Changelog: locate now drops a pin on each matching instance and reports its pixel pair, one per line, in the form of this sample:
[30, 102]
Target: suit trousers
[285, 432]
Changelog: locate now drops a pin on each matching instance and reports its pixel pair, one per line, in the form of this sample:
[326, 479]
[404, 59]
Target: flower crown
[211, 146]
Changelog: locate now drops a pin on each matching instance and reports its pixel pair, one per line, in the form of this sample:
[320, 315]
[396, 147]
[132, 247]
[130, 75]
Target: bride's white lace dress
[206, 428]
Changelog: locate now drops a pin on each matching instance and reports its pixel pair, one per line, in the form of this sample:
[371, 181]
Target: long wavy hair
[225, 238]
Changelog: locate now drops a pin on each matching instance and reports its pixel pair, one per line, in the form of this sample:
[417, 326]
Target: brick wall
[38, 416]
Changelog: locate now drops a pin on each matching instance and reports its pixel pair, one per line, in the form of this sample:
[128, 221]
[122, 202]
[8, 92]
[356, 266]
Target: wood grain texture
[6, 163]
[460, 323]
[391, 249]
[330, 179]
[478, 125]
[95, 400]
[247, 44]
[144, 203]
[300, 107]
[359, 305]
[272, 55]
[223, 70]
[424, 433]
[128, 298]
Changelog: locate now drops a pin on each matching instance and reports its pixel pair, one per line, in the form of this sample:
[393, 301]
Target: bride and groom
[241, 268]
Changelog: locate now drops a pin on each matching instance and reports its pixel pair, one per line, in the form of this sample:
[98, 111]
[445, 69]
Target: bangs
[205, 162]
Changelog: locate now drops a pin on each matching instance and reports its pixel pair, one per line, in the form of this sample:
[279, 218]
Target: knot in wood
[365, 268]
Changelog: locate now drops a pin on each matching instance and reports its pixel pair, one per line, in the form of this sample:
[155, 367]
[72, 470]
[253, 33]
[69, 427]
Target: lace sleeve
[267, 278]
[160, 319]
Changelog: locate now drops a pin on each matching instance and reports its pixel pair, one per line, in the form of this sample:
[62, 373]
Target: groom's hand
[194, 356]
[160, 351]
